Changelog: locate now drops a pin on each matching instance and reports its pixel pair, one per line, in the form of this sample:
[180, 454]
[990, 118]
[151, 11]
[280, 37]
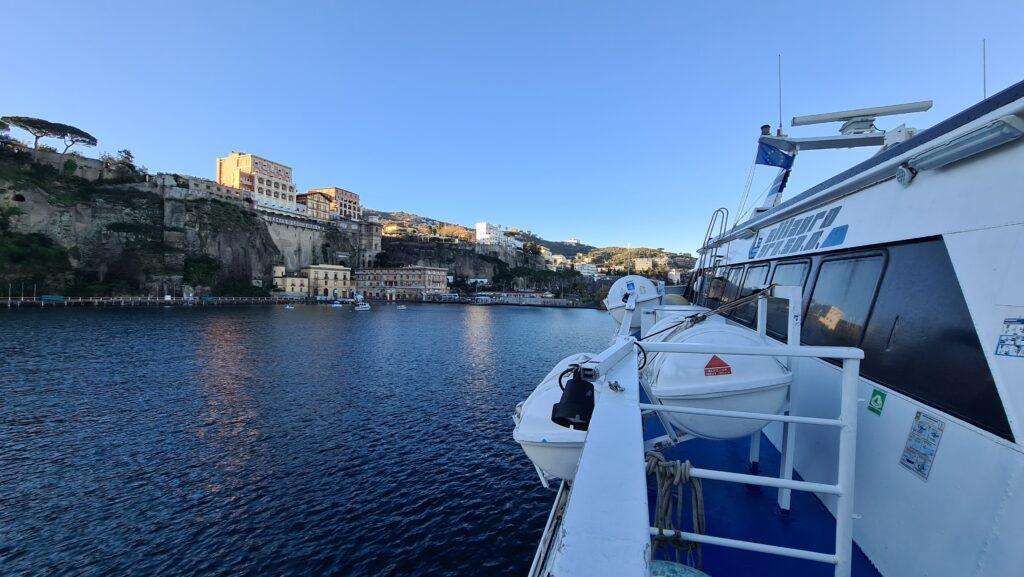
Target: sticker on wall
[1011, 339]
[922, 444]
[877, 402]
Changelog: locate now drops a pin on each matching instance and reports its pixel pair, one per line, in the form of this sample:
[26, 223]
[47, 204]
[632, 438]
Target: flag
[772, 156]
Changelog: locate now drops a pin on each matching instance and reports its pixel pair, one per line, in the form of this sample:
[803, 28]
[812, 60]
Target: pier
[138, 301]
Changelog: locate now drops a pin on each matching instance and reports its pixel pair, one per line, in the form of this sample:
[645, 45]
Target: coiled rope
[671, 477]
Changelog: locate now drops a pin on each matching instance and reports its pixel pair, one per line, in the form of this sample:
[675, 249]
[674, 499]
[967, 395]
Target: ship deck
[735, 511]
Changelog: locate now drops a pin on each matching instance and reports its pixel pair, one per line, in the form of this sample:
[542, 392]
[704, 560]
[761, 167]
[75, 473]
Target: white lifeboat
[645, 294]
[755, 384]
[555, 450]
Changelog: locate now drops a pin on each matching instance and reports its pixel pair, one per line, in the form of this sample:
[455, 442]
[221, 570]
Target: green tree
[200, 270]
[40, 128]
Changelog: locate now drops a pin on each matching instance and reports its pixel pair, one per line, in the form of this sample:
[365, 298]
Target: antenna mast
[780, 95]
[984, 71]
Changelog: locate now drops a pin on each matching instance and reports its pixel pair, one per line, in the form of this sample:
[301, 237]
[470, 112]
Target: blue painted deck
[734, 511]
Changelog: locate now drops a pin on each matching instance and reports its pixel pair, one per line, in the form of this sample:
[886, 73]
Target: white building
[494, 234]
[572, 241]
[587, 269]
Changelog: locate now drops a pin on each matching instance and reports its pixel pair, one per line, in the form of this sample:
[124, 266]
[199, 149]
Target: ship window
[921, 340]
[786, 274]
[755, 279]
[732, 285]
[841, 301]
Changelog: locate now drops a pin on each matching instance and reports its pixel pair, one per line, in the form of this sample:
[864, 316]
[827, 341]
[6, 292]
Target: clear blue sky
[613, 122]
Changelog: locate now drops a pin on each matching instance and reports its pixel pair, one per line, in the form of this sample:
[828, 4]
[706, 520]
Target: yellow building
[399, 229]
[344, 203]
[296, 285]
[329, 280]
[318, 204]
[406, 283]
[269, 182]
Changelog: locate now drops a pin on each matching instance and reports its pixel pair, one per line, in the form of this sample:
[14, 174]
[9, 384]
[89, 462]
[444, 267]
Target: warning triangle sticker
[716, 367]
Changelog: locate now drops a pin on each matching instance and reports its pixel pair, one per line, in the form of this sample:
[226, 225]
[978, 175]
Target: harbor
[538, 289]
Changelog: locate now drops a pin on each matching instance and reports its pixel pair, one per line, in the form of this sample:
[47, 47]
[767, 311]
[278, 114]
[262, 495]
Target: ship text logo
[800, 234]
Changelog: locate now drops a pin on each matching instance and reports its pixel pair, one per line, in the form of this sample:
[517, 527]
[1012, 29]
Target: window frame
[804, 295]
[853, 255]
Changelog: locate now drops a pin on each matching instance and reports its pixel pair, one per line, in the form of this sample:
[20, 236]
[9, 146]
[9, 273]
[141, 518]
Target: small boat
[402, 307]
[289, 307]
[336, 305]
[362, 306]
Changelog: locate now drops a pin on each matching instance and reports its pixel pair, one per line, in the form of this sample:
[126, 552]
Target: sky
[613, 122]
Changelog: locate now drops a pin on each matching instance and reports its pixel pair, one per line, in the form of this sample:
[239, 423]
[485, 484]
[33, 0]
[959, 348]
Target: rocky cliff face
[139, 237]
[461, 260]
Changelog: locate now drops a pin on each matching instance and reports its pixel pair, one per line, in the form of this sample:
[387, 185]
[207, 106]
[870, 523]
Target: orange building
[269, 182]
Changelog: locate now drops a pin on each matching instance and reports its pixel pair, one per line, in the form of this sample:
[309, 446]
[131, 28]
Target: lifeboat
[754, 384]
[554, 449]
[645, 294]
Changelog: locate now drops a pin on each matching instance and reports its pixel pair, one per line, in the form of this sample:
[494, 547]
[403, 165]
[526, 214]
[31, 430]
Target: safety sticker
[716, 367]
[877, 402]
[1011, 339]
[922, 444]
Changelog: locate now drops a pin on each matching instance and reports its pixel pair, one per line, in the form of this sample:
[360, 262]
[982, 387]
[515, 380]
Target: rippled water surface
[264, 441]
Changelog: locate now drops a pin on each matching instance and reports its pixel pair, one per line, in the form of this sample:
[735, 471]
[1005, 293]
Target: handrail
[757, 350]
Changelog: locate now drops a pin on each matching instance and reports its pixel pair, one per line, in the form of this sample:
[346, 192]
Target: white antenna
[984, 71]
[780, 95]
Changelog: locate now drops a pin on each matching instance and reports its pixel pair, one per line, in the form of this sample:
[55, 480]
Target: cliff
[139, 234]
[462, 260]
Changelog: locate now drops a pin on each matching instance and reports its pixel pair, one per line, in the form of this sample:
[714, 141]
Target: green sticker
[877, 402]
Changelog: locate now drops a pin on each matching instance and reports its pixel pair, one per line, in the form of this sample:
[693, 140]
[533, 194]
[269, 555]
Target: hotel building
[411, 283]
[269, 182]
[318, 204]
[329, 280]
[318, 280]
[344, 203]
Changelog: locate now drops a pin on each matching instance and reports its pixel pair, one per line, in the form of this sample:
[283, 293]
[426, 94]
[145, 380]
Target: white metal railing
[843, 489]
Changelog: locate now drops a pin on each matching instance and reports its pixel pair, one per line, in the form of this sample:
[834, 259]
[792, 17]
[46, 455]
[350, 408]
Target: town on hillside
[205, 236]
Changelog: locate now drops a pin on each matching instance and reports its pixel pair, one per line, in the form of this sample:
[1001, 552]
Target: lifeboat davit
[555, 450]
[748, 383]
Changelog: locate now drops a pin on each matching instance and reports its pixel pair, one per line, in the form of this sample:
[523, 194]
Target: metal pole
[847, 467]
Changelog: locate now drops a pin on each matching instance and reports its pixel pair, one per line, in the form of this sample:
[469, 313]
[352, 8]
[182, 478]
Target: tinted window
[921, 340]
[841, 301]
[715, 287]
[732, 285]
[755, 279]
[786, 274]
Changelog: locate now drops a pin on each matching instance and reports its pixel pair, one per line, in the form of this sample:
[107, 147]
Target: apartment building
[329, 280]
[410, 283]
[317, 203]
[344, 203]
[319, 280]
[269, 182]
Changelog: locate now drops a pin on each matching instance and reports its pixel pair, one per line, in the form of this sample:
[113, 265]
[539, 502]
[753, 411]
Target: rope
[671, 477]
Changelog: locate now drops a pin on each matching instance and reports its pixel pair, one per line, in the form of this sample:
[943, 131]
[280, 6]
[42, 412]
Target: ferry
[362, 306]
[838, 391]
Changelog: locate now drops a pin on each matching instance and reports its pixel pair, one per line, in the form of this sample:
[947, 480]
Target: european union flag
[772, 156]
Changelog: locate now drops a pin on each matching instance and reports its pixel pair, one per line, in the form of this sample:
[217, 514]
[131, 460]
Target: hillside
[425, 223]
